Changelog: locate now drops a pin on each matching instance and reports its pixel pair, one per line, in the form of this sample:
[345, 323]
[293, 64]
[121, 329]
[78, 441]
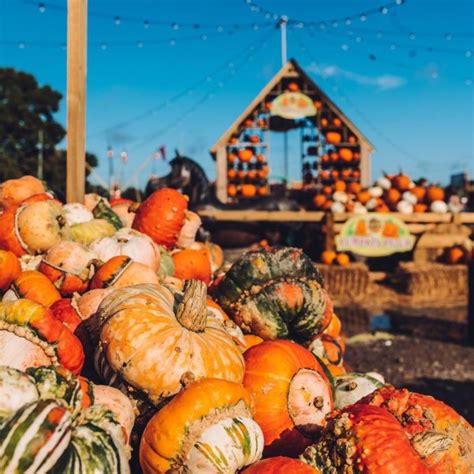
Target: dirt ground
[444, 370]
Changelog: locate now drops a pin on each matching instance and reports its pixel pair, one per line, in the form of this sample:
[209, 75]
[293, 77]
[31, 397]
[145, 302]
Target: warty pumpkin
[161, 216]
[130, 243]
[192, 264]
[34, 286]
[286, 381]
[31, 336]
[330, 351]
[439, 435]
[14, 191]
[364, 439]
[10, 268]
[122, 271]
[148, 337]
[55, 426]
[208, 427]
[69, 266]
[280, 465]
[275, 293]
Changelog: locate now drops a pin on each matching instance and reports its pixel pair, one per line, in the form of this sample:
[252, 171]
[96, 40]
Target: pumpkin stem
[192, 310]
[134, 207]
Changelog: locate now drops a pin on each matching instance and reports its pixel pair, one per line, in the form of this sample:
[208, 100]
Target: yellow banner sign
[375, 235]
[293, 105]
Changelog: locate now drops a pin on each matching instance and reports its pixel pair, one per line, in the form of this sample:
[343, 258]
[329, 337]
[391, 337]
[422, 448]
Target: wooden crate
[351, 281]
[435, 280]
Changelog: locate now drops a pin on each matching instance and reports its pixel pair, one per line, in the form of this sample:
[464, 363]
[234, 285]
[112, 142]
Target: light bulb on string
[448, 36]
[172, 42]
[268, 15]
[348, 21]
[117, 21]
[379, 34]
[175, 26]
[322, 25]
[300, 25]
[383, 10]
[275, 16]
[412, 36]
[393, 47]
[335, 24]
[204, 37]
[399, 2]
[146, 24]
[255, 27]
[363, 17]
[139, 44]
[220, 29]
[468, 82]
[344, 47]
[103, 46]
[21, 45]
[358, 39]
[41, 7]
[468, 53]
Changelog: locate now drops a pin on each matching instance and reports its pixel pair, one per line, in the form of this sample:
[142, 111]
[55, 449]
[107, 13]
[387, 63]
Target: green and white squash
[276, 293]
[103, 211]
[351, 387]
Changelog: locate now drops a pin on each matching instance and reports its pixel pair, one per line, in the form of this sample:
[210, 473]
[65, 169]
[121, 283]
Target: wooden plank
[467, 217]
[428, 217]
[263, 216]
[440, 240]
[76, 99]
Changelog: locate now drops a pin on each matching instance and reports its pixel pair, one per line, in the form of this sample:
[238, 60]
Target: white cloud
[382, 82]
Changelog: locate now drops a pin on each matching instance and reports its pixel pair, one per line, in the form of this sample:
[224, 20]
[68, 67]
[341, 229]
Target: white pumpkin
[375, 191]
[77, 213]
[351, 387]
[92, 199]
[340, 196]
[371, 204]
[30, 262]
[188, 232]
[439, 207]
[405, 207]
[139, 247]
[359, 208]
[338, 207]
[384, 183]
[409, 197]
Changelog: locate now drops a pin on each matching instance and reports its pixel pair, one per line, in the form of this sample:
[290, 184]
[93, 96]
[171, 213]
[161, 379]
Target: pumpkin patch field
[127, 345]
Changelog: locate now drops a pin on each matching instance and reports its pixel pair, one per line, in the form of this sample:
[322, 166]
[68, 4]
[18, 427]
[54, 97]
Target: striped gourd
[276, 293]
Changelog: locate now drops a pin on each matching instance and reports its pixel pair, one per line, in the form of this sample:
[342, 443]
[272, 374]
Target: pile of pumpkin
[180, 383]
[390, 193]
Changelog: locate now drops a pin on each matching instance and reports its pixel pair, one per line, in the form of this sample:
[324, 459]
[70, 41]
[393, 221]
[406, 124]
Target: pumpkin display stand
[426, 280]
[348, 281]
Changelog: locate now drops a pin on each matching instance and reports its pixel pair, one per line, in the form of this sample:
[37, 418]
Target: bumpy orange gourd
[193, 264]
[35, 286]
[333, 137]
[245, 155]
[10, 268]
[161, 216]
[328, 257]
[282, 377]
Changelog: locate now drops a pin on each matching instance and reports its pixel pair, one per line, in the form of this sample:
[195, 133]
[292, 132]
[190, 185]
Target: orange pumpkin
[324, 122]
[121, 271]
[327, 190]
[352, 139]
[10, 268]
[356, 173]
[342, 259]
[248, 190]
[233, 140]
[325, 158]
[15, 191]
[215, 253]
[401, 182]
[346, 154]
[260, 158]
[346, 173]
[293, 87]
[9, 234]
[232, 157]
[354, 187]
[161, 216]
[392, 196]
[192, 264]
[420, 207]
[231, 173]
[280, 465]
[334, 174]
[319, 200]
[263, 191]
[249, 123]
[268, 105]
[325, 174]
[333, 137]
[328, 257]
[381, 207]
[336, 122]
[261, 123]
[232, 190]
[263, 172]
[363, 197]
[339, 185]
[34, 286]
[419, 192]
[327, 205]
[334, 156]
[283, 377]
[434, 193]
[318, 104]
[39, 197]
[254, 139]
[241, 174]
[456, 255]
[245, 155]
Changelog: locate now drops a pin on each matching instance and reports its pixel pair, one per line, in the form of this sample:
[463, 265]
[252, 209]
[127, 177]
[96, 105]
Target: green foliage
[25, 109]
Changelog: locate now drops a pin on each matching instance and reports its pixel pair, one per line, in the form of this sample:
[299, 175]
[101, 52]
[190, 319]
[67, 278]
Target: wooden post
[470, 306]
[76, 99]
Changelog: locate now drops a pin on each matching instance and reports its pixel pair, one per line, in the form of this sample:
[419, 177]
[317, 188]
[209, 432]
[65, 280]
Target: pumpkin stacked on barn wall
[276, 293]
[208, 427]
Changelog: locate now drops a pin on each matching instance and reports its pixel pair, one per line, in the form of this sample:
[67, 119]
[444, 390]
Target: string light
[175, 26]
[41, 7]
[140, 44]
[103, 46]
[146, 24]
[117, 21]
[348, 21]
[412, 36]
[448, 36]
[468, 53]
[363, 17]
[21, 45]
[204, 37]
[383, 10]
[344, 47]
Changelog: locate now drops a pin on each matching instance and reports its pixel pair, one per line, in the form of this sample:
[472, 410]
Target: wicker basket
[351, 281]
[431, 280]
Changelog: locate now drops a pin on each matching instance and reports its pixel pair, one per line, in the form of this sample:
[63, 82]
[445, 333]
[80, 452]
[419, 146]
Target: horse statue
[190, 178]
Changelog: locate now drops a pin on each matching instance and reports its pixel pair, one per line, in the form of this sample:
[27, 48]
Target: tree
[26, 108]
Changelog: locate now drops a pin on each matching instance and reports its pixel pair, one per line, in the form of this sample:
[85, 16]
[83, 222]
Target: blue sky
[402, 77]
